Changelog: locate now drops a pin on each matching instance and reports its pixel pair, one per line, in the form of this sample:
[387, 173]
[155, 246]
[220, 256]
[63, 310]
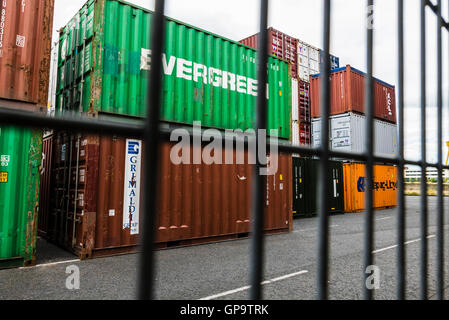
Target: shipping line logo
[378, 185]
[197, 72]
[133, 173]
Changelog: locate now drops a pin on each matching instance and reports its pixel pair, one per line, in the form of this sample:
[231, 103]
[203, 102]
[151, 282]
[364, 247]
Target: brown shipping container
[198, 203]
[280, 45]
[25, 44]
[348, 95]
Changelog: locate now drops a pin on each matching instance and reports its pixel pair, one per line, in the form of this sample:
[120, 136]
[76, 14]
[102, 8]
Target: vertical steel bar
[258, 188]
[323, 185]
[151, 139]
[440, 217]
[369, 149]
[424, 254]
[401, 266]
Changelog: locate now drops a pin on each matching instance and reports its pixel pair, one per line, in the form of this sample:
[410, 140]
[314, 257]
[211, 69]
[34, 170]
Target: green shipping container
[21, 154]
[105, 59]
[305, 184]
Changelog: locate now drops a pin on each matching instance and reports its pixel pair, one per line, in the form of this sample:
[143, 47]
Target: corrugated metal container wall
[105, 61]
[197, 203]
[385, 187]
[348, 95]
[347, 134]
[45, 185]
[305, 175]
[280, 45]
[308, 61]
[25, 44]
[20, 158]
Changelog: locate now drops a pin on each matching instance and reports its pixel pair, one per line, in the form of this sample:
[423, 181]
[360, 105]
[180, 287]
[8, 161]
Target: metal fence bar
[440, 218]
[369, 149]
[151, 139]
[323, 191]
[401, 263]
[258, 187]
[113, 128]
[424, 246]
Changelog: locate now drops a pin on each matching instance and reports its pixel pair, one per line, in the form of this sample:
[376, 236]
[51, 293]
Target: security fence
[152, 134]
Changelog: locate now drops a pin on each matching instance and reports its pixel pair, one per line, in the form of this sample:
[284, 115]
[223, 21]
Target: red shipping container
[279, 45]
[304, 102]
[197, 203]
[25, 45]
[305, 134]
[348, 95]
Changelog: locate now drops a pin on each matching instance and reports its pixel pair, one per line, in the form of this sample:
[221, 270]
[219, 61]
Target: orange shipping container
[25, 44]
[385, 186]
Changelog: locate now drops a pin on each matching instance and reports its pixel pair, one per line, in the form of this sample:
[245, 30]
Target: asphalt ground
[220, 271]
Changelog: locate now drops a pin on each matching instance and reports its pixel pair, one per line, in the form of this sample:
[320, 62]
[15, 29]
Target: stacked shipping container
[348, 95]
[347, 134]
[20, 158]
[25, 44]
[207, 78]
[25, 38]
[305, 175]
[305, 60]
[348, 128]
[103, 71]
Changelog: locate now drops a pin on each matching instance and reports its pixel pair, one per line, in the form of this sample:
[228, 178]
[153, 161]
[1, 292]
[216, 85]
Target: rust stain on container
[197, 203]
[385, 186]
[348, 95]
[25, 44]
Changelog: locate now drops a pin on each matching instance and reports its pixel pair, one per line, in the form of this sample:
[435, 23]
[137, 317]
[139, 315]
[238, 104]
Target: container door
[340, 133]
[336, 188]
[295, 100]
[298, 187]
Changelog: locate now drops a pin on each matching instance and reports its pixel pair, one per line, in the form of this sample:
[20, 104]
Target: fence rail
[153, 134]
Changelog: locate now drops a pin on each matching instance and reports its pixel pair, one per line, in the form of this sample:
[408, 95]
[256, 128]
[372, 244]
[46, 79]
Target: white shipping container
[295, 133]
[308, 61]
[51, 107]
[295, 100]
[347, 134]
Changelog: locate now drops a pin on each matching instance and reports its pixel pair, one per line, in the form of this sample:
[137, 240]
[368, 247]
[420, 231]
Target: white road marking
[230, 292]
[406, 243]
[52, 264]
[386, 218]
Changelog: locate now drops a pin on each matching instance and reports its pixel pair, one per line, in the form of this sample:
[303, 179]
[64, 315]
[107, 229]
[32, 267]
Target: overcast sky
[237, 19]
